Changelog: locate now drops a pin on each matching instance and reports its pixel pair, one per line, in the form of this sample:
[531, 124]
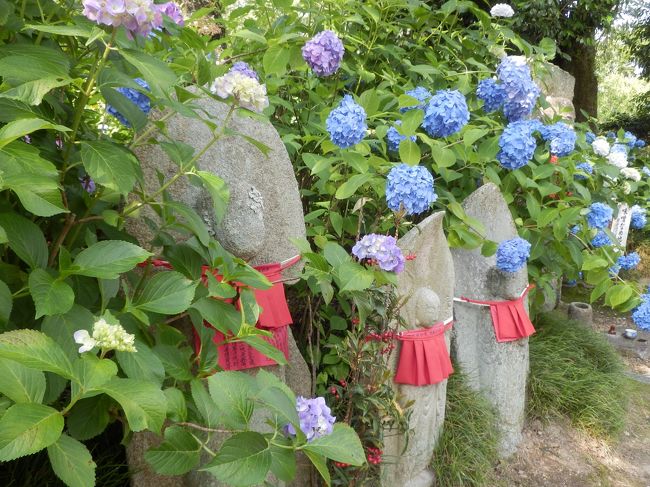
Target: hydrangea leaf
[72, 462]
[28, 428]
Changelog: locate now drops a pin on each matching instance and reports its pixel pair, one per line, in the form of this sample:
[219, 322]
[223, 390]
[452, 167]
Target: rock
[498, 370]
[427, 283]
[263, 215]
[581, 312]
[558, 87]
[141, 473]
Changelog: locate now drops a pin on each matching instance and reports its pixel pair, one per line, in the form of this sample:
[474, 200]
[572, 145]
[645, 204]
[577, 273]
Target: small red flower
[355, 321]
[341, 464]
[411, 257]
[569, 193]
[554, 159]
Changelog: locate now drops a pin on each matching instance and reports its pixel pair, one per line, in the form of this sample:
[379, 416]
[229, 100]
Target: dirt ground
[554, 454]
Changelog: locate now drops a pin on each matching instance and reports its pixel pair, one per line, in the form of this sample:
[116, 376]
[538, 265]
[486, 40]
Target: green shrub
[467, 449]
[575, 372]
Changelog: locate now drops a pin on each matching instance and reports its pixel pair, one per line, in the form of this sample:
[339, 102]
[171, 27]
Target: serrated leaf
[409, 152]
[89, 417]
[204, 404]
[275, 59]
[25, 126]
[28, 428]
[177, 455]
[25, 238]
[108, 259]
[6, 304]
[20, 383]
[264, 347]
[157, 73]
[143, 364]
[167, 292]
[354, 277]
[72, 462]
[244, 459]
[349, 187]
[219, 192]
[342, 445]
[283, 460]
[144, 404]
[61, 328]
[91, 373]
[35, 350]
[232, 392]
[110, 165]
[51, 296]
[320, 463]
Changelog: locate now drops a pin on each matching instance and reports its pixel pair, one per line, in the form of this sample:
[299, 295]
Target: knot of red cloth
[424, 358]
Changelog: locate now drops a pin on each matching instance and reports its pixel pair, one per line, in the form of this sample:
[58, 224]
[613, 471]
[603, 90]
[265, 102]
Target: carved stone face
[506, 285]
[427, 307]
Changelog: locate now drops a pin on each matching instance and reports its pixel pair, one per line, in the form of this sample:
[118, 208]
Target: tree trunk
[582, 67]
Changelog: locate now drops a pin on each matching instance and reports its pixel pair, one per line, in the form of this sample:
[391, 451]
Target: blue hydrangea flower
[445, 114]
[645, 171]
[639, 217]
[562, 138]
[640, 143]
[611, 135]
[134, 96]
[622, 148]
[521, 91]
[575, 229]
[393, 137]
[614, 270]
[599, 215]
[346, 124]
[492, 94]
[383, 250]
[410, 189]
[517, 145]
[315, 417]
[571, 283]
[245, 69]
[586, 168]
[421, 94]
[630, 139]
[641, 314]
[601, 239]
[590, 137]
[512, 254]
[629, 261]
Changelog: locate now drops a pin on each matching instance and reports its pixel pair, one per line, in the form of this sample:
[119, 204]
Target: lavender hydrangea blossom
[629, 261]
[445, 114]
[171, 10]
[512, 254]
[323, 53]
[492, 94]
[410, 189]
[517, 145]
[137, 16]
[599, 215]
[245, 69]
[346, 124]
[421, 94]
[382, 249]
[639, 217]
[315, 417]
[393, 137]
[136, 97]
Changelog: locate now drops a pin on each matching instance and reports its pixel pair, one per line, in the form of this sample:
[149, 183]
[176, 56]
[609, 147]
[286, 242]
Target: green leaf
[25, 239]
[144, 404]
[472, 135]
[28, 428]
[244, 459]
[109, 258]
[443, 157]
[35, 350]
[6, 304]
[177, 455]
[110, 165]
[91, 373]
[219, 192]
[204, 404]
[232, 392]
[24, 61]
[89, 417]
[143, 364]
[354, 277]
[61, 328]
[32, 92]
[275, 60]
[157, 73]
[335, 254]
[342, 445]
[592, 262]
[618, 294]
[51, 296]
[24, 126]
[166, 292]
[320, 463]
[177, 361]
[223, 316]
[64, 30]
[176, 405]
[72, 462]
[262, 346]
[411, 121]
[125, 107]
[409, 152]
[20, 383]
[283, 460]
[351, 186]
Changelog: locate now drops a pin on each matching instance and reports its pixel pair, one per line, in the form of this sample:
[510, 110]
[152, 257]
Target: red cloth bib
[509, 318]
[424, 358]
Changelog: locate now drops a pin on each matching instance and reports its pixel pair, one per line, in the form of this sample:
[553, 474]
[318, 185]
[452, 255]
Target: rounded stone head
[425, 305]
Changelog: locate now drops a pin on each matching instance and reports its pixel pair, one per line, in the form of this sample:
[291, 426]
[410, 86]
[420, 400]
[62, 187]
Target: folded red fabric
[423, 357]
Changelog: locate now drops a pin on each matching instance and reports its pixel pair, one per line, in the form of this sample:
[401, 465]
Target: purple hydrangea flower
[136, 97]
[512, 254]
[599, 215]
[245, 69]
[173, 11]
[394, 138]
[492, 94]
[380, 248]
[410, 189]
[521, 90]
[137, 16]
[562, 138]
[601, 239]
[420, 94]
[641, 314]
[315, 417]
[323, 53]
[586, 168]
[346, 124]
[445, 114]
[629, 261]
[87, 184]
[517, 145]
[639, 217]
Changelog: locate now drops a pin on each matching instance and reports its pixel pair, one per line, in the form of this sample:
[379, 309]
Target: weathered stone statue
[426, 287]
[558, 87]
[498, 370]
[263, 214]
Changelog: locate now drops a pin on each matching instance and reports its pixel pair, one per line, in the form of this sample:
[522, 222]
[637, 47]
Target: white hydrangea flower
[618, 159]
[83, 338]
[502, 10]
[627, 188]
[248, 92]
[631, 173]
[600, 146]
